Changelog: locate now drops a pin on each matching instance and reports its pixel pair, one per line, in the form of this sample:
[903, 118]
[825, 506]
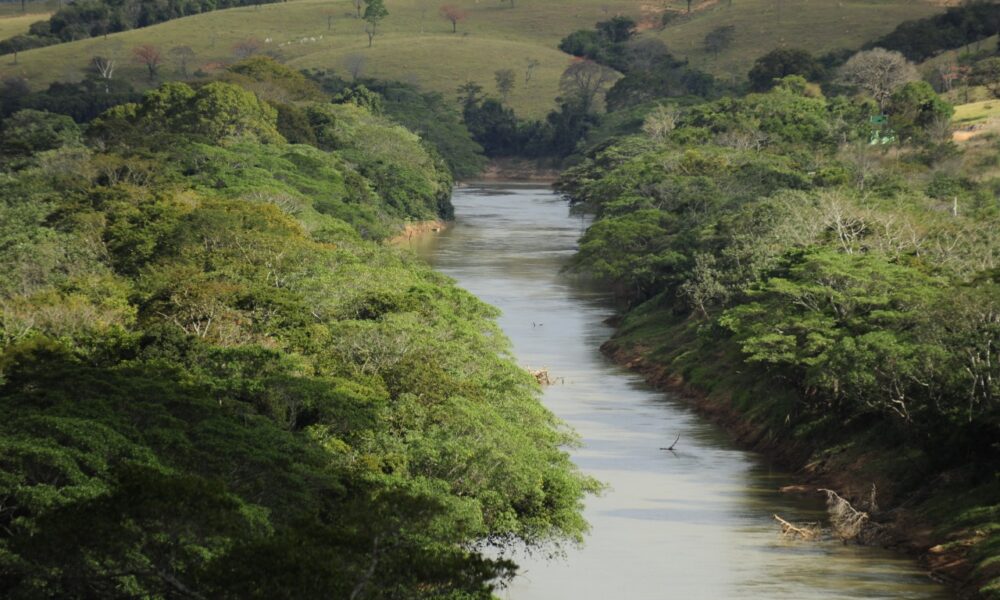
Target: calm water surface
[691, 524]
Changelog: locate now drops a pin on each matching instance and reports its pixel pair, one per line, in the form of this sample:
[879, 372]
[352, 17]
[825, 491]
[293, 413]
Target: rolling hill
[18, 24]
[415, 44]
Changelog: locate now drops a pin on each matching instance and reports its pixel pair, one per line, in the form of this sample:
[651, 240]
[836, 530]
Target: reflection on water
[695, 523]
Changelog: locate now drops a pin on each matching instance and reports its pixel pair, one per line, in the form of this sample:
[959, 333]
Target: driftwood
[851, 524]
[541, 376]
[671, 446]
[847, 522]
[807, 531]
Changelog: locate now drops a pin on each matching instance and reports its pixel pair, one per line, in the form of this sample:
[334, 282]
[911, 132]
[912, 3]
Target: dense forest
[220, 381]
[218, 384]
[826, 267]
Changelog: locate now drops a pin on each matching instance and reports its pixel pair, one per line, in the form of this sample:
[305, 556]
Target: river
[694, 523]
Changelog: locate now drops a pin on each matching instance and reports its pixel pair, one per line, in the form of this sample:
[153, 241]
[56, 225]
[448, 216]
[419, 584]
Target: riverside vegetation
[841, 298]
[222, 385]
[218, 384]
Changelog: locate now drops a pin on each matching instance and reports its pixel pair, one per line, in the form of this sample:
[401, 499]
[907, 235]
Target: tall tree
[530, 69]
[719, 39]
[879, 72]
[454, 14]
[375, 12]
[469, 93]
[617, 30]
[781, 63]
[182, 55]
[583, 81]
[104, 68]
[149, 56]
[505, 82]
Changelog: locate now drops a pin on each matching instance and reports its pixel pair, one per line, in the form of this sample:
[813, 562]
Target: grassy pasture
[17, 24]
[415, 44]
[763, 25]
[976, 112]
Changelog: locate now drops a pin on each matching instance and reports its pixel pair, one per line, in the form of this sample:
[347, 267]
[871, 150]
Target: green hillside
[17, 24]
[416, 44]
[762, 25]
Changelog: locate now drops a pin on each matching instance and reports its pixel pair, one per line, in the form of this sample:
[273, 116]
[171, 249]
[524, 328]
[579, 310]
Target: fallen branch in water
[848, 522]
[671, 446]
[808, 531]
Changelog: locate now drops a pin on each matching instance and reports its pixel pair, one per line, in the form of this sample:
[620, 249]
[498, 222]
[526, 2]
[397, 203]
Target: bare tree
[530, 70]
[452, 13]
[660, 122]
[181, 55]
[358, 5]
[879, 72]
[149, 56]
[355, 65]
[247, 48]
[16, 44]
[952, 74]
[105, 69]
[505, 79]
[585, 80]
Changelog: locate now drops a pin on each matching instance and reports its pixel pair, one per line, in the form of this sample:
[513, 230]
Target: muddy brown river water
[695, 523]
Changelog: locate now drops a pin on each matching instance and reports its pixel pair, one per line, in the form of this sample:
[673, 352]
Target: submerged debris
[847, 523]
[672, 446]
[803, 531]
[541, 376]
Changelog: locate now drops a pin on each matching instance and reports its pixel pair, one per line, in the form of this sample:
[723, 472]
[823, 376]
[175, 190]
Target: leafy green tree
[584, 82]
[272, 81]
[361, 96]
[617, 30]
[505, 79]
[915, 109]
[719, 39]
[29, 132]
[780, 63]
[375, 12]
[216, 111]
